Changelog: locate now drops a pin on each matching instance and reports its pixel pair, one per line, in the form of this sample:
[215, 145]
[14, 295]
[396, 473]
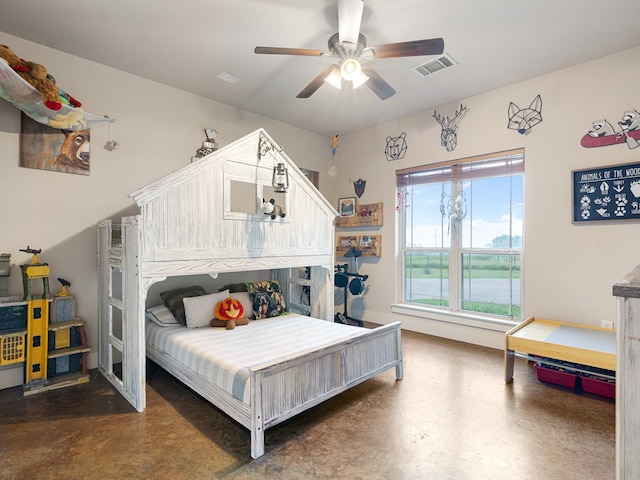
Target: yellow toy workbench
[582, 344]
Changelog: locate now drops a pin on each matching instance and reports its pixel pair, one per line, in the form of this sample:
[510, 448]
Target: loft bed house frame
[205, 218]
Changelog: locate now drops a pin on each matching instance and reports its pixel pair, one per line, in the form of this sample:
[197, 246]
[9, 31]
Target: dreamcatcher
[453, 203]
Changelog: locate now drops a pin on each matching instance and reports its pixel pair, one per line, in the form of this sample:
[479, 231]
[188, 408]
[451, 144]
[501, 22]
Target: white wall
[569, 269]
[158, 128]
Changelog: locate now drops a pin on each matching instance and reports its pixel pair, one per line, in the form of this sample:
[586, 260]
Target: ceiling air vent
[433, 66]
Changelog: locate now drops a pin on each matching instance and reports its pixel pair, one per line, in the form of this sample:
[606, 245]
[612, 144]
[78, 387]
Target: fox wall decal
[523, 119]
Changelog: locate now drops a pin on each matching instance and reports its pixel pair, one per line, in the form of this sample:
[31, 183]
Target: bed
[580, 344]
[190, 224]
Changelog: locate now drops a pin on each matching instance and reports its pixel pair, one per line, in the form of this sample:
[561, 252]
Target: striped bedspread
[224, 357]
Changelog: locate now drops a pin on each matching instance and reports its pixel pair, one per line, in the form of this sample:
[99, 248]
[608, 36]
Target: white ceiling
[186, 44]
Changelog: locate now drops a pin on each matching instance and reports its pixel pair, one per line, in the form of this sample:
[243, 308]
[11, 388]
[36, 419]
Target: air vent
[433, 66]
[227, 77]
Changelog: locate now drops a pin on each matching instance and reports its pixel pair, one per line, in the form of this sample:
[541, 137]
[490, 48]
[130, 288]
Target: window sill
[456, 318]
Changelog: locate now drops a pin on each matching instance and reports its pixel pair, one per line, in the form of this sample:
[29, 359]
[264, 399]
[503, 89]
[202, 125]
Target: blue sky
[488, 213]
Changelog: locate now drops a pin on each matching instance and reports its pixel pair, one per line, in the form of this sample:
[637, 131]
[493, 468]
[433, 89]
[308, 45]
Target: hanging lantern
[280, 179]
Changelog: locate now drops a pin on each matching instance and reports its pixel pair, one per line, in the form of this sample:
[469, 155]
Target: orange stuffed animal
[229, 313]
[36, 75]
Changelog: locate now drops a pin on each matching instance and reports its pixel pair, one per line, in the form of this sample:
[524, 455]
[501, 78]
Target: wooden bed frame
[186, 227]
[534, 337]
[285, 388]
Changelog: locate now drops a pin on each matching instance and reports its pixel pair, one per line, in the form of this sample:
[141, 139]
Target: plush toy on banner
[449, 135]
[523, 119]
[34, 74]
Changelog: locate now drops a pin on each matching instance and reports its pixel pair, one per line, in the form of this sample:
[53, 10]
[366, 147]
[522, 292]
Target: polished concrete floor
[452, 417]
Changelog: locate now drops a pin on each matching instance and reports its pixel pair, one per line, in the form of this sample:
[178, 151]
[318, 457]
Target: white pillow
[161, 315]
[200, 310]
[245, 300]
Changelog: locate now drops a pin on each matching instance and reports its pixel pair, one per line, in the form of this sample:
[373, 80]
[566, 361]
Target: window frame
[499, 164]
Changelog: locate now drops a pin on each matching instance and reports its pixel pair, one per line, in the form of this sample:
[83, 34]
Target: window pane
[464, 223]
[494, 213]
[427, 278]
[424, 226]
[491, 284]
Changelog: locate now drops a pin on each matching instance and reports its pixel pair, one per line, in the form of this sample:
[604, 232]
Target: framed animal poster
[347, 206]
[609, 193]
[48, 148]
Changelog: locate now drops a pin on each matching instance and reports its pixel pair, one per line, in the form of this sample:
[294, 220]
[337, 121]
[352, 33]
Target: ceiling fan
[349, 46]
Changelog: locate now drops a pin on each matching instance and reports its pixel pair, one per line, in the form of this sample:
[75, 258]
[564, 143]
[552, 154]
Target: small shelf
[78, 322]
[369, 245]
[67, 339]
[23, 96]
[63, 352]
[367, 215]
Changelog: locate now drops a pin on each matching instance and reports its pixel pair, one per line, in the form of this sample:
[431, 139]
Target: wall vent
[433, 66]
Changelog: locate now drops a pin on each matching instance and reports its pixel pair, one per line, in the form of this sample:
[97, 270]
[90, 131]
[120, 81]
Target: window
[461, 234]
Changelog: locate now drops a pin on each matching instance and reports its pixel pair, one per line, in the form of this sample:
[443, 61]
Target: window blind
[508, 162]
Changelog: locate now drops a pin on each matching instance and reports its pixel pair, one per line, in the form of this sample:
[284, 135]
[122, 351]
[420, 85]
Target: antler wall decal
[449, 135]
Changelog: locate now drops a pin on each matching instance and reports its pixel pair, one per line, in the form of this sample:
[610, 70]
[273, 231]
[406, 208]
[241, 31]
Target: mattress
[225, 357]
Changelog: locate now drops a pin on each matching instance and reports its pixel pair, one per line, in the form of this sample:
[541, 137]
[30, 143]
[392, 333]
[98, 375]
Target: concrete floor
[452, 417]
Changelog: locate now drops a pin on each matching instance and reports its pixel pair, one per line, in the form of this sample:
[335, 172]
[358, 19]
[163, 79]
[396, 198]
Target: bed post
[322, 292]
[399, 370]
[104, 292]
[257, 417]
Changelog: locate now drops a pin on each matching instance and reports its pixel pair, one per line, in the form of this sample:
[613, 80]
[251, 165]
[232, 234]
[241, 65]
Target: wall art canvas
[46, 148]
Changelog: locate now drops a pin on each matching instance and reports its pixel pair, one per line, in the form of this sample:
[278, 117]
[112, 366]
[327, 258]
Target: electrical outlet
[608, 324]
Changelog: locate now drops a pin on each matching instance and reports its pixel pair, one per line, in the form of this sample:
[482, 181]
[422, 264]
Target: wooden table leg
[509, 360]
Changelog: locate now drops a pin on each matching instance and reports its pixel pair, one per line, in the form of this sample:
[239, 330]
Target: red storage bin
[598, 387]
[556, 377]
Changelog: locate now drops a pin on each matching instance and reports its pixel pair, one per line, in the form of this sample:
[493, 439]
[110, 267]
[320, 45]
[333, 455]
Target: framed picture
[48, 148]
[347, 206]
[610, 193]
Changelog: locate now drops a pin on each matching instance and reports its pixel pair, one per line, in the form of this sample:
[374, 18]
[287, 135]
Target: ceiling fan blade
[432, 46]
[378, 84]
[290, 51]
[349, 19]
[316, 83]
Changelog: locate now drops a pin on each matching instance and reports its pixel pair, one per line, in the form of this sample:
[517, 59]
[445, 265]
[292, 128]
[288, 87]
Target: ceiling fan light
[334, 79]
[350, 69]
[359, 80]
